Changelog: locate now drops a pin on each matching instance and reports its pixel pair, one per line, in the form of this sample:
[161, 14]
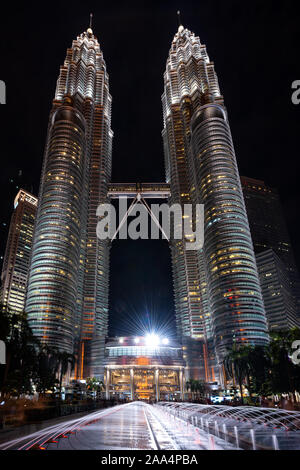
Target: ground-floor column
[181, 384]
[107, 384]
[131, 385]
[156, 377]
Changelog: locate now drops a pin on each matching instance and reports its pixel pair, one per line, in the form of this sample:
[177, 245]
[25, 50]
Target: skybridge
[139, 192]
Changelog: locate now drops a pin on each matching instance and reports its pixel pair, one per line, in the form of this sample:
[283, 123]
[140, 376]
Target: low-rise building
[144, 368]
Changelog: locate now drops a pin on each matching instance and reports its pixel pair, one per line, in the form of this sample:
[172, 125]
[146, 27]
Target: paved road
[125, 427]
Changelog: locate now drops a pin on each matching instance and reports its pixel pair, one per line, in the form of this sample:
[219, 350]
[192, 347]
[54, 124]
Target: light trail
[39, 438]
[167, 426]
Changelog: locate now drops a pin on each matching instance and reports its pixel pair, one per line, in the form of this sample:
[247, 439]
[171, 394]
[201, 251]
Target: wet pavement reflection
[125, 428]
[133, 426]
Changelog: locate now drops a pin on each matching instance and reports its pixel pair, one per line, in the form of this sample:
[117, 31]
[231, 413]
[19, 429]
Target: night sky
[255, 48]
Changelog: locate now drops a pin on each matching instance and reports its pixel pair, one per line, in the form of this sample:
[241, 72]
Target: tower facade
[16, 261]
[217, 290]
[67, 299]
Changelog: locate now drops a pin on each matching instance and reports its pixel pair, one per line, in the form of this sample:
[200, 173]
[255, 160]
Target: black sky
[255, 48]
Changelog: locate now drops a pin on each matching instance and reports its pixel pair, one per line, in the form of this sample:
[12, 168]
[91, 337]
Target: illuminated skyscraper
[280, 305]
[217, 290]
[16, 261]
[67, 301]
[269, 230]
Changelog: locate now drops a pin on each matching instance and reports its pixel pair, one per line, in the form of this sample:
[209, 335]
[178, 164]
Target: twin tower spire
[90, 30]
[91, 21]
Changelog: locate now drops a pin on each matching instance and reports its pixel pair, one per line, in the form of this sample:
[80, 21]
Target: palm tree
[47, 368]
[17, 374]
[285, 375]
[191, 386]
[65, 361]
[200, 387]
[196, 387]
[247, 351]
[236, 365]
[259, 369]
[94, 385]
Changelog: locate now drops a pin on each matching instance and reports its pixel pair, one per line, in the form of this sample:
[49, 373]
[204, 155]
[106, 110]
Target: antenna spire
[91, 20]
[179, 18]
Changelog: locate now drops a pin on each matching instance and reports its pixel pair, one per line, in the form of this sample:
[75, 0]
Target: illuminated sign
[142, 361]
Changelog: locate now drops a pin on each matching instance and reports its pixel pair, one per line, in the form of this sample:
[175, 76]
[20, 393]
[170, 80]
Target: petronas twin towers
[67, 296]
[217, 291]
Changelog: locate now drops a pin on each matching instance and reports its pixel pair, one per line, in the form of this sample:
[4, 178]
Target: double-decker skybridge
[168, 426]
[139, 192]
[145, 190]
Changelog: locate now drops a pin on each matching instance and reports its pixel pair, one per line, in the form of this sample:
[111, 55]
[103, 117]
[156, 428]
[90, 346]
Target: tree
[285, 376]
[196, 387]
[65, 361]
[47, 368]
[190, 386]
[21, 347]
[94, 385]
[200, 388]
[267, 369]
[260, 370]
[236, 365]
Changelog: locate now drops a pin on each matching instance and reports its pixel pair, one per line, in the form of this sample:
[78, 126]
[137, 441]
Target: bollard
[211, 442]
[253, 439]
[275, 442]
[225, 432]
[236, 436]
[217, 429]
[202, 425]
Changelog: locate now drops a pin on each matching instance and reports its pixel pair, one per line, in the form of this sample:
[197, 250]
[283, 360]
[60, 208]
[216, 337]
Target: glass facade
[16, 261]
[281, 308]
[67, 301]
[217, 290]
[269, 230]
[143, 372]
[143, 351]
[218, 299]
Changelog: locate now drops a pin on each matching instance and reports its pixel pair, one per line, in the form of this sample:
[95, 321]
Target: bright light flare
[152, 340]
[165, 341]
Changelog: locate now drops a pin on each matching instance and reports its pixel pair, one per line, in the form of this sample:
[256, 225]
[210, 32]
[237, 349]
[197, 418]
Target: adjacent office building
[281, 309]
[269, 231]
[16, 261]
[67, 301]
